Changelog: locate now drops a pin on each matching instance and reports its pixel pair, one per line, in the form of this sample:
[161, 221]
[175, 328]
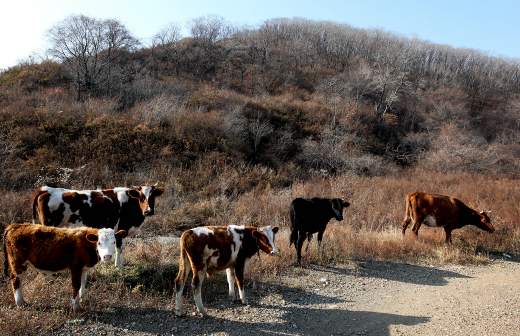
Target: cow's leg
[239, 276]
[196, 283]
[83, 282]
[417, 225]
[405, 224]
[320, 238]
[309, 238]
[299, 245]
[16, 268]
[230, 273]
[180, 281]
[448, 235]
[119, 252]
[17, 290]
[76, 276]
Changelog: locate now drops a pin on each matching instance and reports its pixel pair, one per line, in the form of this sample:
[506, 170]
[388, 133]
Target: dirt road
[368, 298]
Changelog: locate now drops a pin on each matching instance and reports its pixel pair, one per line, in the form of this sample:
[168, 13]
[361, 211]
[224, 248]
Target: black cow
[311, 215]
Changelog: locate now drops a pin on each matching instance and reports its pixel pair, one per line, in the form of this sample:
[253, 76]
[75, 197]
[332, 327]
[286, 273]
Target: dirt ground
[365, 298]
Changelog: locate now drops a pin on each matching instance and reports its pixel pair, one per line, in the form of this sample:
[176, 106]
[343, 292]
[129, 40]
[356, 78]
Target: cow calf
[205, 250]
[51, 249]
[311, 215]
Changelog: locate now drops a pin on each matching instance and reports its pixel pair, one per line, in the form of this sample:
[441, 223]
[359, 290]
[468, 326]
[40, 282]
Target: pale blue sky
[491, 26]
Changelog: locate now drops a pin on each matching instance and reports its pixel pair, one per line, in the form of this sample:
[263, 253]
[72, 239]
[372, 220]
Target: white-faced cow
[442, 211]
[214, 248]
[117, 208]
[311, 215]
[51, 249]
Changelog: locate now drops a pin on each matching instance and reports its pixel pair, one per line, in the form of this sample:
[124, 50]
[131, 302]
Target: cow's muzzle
[107, 257]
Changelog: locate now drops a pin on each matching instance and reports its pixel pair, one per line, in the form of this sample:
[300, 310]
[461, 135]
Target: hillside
[235, 123]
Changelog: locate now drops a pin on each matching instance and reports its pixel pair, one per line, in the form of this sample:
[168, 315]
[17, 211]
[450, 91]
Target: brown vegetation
[238, 122]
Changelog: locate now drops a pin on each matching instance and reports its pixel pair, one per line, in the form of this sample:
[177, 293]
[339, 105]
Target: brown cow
[117, 208]
[442, 211]
[51, 249]
[214, 248]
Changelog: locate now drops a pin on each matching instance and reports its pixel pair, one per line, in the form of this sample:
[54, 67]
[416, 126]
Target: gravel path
[370, 298]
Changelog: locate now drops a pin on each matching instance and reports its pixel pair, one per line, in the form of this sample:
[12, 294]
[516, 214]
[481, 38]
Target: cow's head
[485, 222]
[265, 239]
[337, 205]
[105, 240]
[147, 196]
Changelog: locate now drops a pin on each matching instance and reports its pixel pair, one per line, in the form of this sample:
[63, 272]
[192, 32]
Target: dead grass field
[370, 231]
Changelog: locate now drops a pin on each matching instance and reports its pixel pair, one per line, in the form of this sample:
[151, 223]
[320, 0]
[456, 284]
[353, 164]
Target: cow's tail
[184, 263]
[6, 262]
[35, 205]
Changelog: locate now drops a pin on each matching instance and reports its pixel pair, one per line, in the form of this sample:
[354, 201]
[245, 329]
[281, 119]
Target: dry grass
[370, 231]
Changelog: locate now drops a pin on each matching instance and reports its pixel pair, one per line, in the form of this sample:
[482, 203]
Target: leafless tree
[90, 48]
[167, 36]
[210, 29]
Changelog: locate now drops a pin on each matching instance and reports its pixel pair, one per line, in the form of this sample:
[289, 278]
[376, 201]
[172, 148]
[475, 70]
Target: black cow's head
[485, 222]
[337, 205]
[146, 195]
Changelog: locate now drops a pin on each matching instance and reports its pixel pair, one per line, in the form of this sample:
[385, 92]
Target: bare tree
[89, 48]
[210, 29]
[167, 36]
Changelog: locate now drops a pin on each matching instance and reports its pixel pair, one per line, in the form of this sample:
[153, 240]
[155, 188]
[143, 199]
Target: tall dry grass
[370, 231]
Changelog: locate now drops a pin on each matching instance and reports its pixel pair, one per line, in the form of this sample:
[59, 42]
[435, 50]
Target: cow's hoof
[21, 305]
[201, 313]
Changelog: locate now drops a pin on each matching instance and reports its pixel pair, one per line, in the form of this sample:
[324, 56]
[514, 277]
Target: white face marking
[268, 231]
[202, 230]
[147, 191]
[430, 221]
[106, 244]
[237, 240]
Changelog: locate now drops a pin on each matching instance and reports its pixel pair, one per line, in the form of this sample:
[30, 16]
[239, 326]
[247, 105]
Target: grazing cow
[311, 215]
[214, 248]
[442, 211]
[51, 249]
[117, 208]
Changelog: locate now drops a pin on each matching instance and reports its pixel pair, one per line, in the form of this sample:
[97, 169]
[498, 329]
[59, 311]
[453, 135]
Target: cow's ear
[346, 204]
[121, 234]
[133, 193]
[157, 191]
[275, 229]
[92, 237]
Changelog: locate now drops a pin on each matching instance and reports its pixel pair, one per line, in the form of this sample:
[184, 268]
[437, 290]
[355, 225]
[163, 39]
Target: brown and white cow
[210, 249]
[51, 249]
[117, 208]
[442, 211]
